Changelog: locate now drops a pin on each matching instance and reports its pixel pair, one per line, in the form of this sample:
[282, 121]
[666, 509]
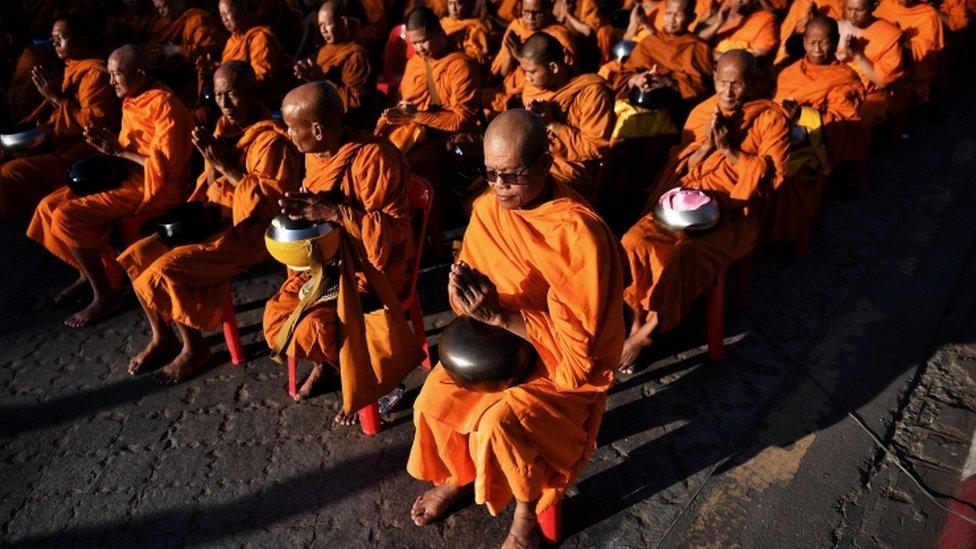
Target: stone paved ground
[689, 451]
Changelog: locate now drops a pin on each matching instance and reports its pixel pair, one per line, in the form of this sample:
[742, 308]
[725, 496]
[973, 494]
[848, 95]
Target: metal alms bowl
[286, 229]
[697, 220]
[25, 140]
[97, 173]
[622, 50]
[188, 223]
[484, 358]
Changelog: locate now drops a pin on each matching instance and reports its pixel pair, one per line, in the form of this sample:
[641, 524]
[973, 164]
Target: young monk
[873, 48]
[673, 58]
[538, 262]
[536, 17]
[84, 98]
[341, 61]
[439, 96]
[741, 24]
[358, 182]
[733, 148]
[249, 164]
[795, 22]
[576, 108]
[255, 44]
[467, 31]
[155, 141]
[835, 92]
[922, 26]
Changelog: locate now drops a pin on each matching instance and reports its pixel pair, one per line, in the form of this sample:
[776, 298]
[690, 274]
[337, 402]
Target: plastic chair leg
[715, 319]
[231, 334]
[551, 522]
[743, 272]
[369, 418]
[417, 319]
[292, 374]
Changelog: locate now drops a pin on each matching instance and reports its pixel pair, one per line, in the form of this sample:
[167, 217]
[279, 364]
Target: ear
[318, 131]
[554, 67]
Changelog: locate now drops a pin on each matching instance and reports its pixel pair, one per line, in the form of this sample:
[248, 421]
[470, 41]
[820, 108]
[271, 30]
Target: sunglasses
[514, 178]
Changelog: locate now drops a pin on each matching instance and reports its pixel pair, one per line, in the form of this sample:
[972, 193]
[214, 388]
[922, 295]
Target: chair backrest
[398, 50]
[421, 199]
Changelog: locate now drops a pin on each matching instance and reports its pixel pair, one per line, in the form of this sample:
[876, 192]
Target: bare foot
[432, 503]
[311, 384]
[99, 309]
[525, 533]
[187, 363]
[343, 418]
[156, 353]
[633, 346]
[71, 290]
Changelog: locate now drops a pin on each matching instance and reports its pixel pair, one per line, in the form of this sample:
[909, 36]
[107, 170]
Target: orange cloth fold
[469, 36]
[883, 48]
[258, 47]
[923, 28]
[196, 31]
[497, 99]
[685, 57]
[347, 68]
[757, 32]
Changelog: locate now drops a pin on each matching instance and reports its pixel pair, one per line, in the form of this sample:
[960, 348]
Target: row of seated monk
[537, 259]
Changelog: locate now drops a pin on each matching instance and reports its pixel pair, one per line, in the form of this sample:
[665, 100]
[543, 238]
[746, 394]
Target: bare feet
[99, 309]
[633, 346]
[343, 418]
[525, 533]
[159, 350]
[187, 363]
[432, 503]
[71, 290]
[311, 385]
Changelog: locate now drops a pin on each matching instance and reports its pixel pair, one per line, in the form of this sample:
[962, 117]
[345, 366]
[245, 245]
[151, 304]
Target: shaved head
[131, 57]
[828, 24]
[423, 19]
[820, 40]
[517, 130]
[240, 73]
[425, 33]
[128, 71]
[738, 60]
[516, 159]
[734, 75]
[542, 49]
[313, 114]
[235, 92]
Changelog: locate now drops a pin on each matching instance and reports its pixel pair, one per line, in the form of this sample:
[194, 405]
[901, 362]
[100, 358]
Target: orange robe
[560, 266]
[22, 96]
[835, 91]
[90, 100]
[957, 14]
[513, 82]
[197, 32]
[584, 108]
[798, 12]
[923, 28]
[469, 36]
[258, 47]
[883, 48]
[372, 176]
[347, 67]
[154, 124]
[684, 57]
[756, 32]
[373, 31]
[669, 271]
[189, 284]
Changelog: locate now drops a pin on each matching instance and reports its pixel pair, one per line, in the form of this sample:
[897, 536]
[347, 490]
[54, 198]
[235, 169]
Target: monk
[576, 108]
[735, 149]
[741, 24]
[135, 25]
[922, 26]
[373, 30]
[155, 141]
[673, 58]
[873, 48]
[341, 61]
[358, 182]
[820, 87]
[439, 96]
[184, 36]
[536, 17]
[250, 163]
[468, 32]
[538, 262]
[84, 98]
[795, 23]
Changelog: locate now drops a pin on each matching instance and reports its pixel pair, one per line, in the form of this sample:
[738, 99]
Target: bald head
[240, 73]
[517, 130]
[734, 75]
[677, 15]
[542, 49]
[425, 34]
[820, 40]
[128, 71]
[741, 62]
[516, 163]
[130, 56]
[313, 114]
[235, 92]
[828, 24]
[423, 19]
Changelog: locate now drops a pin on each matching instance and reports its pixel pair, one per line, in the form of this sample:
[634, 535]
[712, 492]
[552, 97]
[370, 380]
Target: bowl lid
[286, 229]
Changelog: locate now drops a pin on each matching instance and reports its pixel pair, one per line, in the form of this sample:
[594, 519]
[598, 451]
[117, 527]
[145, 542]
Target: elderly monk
[795, 22]
[922, 26]
[673, 58]
[155, 142]
[873, 48]
[538, 262]
[536, 17]
[354, 180]
[341, 61]
[576, 108]
[733, 148]
[84, 98]
[833, 93]
[741, 24]
[249, 164]
[439, 96]
[184, 36]
[468, 32]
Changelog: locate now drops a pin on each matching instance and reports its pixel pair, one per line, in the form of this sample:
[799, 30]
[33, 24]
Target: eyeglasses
[511, 178]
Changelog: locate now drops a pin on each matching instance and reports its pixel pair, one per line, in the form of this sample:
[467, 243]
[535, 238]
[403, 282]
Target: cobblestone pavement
[688, 450]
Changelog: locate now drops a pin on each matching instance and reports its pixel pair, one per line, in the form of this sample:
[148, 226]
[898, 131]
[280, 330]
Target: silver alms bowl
[700, 219]
[286, 229]
[25, 140]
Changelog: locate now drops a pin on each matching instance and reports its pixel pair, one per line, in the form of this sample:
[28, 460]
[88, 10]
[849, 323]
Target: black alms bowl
[483, 358]
[96, 174]
[188, 223]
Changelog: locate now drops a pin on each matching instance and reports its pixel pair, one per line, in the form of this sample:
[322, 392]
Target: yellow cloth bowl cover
[298, 255]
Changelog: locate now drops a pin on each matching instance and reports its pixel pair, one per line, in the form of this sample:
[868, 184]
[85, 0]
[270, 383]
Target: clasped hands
[103, 139]
[307, 70]
[473, 294]
[403, 112]
[651, 80]
[219, 153]
[44, 81]
[716, 138]
[310, 206]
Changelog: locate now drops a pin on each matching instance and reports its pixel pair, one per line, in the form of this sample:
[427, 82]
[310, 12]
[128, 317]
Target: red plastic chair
[421, 200]
[398, 49]
[551, 523]
[369, 417]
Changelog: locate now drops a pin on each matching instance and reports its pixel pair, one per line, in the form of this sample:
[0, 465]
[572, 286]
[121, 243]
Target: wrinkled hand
[309, 206]
[720, 131]
[474, 294]
[854, 46]
[218, 152]
[44, 81]
[512, 43]
[402, 113]
[792, 109]
[206, 64]
[545, 109]
[103, 140]
[308, 70]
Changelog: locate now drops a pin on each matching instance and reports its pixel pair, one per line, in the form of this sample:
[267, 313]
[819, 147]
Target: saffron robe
[197, 32]
[497, 99]
[258, 47]
[347, 68]
[798, 12]
[686, 58]
[922, 26]
[883, 48]
[757, 32]
[469, 36]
